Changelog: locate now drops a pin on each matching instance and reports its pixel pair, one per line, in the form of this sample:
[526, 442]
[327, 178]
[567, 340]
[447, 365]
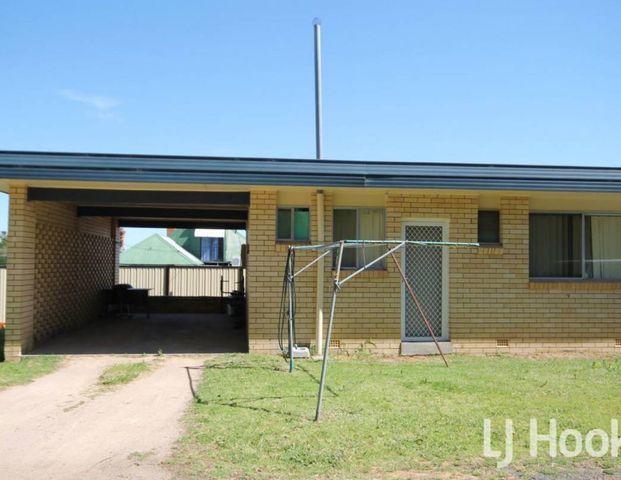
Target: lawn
[26, 370]
[122, 373]
[385, 418]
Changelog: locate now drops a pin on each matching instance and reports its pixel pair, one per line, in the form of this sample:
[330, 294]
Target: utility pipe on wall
[320, 274]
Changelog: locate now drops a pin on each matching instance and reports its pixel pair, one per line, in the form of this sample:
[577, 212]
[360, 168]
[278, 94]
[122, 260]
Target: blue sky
[479, 81]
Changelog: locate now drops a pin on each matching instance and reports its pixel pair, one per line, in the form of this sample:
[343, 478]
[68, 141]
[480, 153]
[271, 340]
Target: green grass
[26, 370]
[122, 373]
[254, 420]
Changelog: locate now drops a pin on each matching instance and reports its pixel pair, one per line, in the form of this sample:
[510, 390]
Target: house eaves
[303, 172]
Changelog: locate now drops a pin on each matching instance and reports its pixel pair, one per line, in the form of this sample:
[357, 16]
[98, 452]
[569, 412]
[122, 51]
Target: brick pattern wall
[491, 299]
[367, 313]
[266, 267]
[20, 275]
[71, 270]
[498, 301]
[57, 265]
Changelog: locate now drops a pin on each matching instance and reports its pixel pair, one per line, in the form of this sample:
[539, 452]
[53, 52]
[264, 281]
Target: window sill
[293, 242]
[490, 249]
[573, 284]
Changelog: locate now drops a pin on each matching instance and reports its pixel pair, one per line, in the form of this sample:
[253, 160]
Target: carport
[64, 254]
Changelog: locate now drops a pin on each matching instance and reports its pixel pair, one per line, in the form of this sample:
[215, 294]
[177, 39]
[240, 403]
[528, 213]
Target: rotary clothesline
[392, 246]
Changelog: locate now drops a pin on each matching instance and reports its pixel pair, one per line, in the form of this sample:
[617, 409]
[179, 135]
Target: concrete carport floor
[161, 333]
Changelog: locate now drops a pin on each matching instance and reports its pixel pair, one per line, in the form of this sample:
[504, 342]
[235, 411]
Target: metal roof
[303, 172]
[157, 250]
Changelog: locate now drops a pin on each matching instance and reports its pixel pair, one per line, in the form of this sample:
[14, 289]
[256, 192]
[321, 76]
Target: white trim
[444, 223]
[209, 233]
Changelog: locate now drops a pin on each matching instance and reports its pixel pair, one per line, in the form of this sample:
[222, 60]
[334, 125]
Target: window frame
[381, 266]
[583, 260]
[292, 211]
[487, 244]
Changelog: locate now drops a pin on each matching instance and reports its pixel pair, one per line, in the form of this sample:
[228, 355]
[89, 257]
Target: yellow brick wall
[367, 310]
[20, 275]
[58, 264]
[490, 295]
[495, 300]
[266, 267]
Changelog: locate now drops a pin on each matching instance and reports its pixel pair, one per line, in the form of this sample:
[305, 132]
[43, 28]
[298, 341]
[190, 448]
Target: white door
[426, 269]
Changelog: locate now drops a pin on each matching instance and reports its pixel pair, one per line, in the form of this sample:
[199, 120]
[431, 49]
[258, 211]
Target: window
[212, 249]
[555, 245]
[359, 224]
[293, 224]
[489, 226]
[575, 246]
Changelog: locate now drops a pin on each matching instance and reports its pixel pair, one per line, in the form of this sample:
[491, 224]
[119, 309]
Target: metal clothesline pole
[312, 263]
[326, 350]
[357, 243]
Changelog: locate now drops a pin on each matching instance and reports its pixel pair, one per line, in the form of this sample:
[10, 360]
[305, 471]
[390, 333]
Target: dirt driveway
[62, 426]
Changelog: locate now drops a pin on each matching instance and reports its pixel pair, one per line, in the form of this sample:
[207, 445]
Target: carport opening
[179, 283]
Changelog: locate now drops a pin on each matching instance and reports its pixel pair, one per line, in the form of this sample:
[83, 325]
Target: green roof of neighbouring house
[158, 250]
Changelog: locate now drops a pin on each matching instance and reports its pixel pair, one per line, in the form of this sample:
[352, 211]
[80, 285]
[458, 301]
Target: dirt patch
[55, 428]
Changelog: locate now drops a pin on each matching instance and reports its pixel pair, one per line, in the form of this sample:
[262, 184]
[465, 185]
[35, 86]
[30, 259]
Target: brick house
[547, 276]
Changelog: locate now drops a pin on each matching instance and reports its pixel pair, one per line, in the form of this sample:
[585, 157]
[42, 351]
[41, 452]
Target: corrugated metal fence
[2, 294]
[195, 281]
[178, 281]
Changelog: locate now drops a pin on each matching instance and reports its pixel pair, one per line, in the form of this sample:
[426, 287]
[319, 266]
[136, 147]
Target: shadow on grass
[316, 380]
[242, 402]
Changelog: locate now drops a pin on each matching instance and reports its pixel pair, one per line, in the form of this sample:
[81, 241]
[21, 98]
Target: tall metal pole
[324, 365]
[320, 198]
[318, 138]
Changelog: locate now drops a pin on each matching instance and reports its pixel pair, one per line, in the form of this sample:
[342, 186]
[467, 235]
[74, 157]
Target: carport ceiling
[170, 217]
[139, 197]
[153, 209]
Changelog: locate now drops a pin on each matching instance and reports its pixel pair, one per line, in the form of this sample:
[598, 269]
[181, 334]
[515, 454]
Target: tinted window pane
[555, 245]
[301, 222]
[283, 224]
[489, 227]
[344, 226]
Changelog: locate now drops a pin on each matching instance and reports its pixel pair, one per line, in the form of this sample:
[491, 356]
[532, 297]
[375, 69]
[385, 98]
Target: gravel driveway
[63, 426]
